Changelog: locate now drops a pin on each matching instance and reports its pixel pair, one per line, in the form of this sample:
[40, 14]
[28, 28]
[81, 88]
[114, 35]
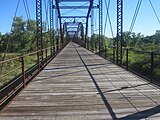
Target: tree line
[22, 37]
[131, 40]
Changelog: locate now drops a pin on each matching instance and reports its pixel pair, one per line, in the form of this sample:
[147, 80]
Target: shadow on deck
[79, 85]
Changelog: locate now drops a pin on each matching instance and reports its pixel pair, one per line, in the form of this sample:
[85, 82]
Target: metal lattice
[51, 26]
[100, 26]
[92, 21]
[60, 20]
[87, 19]
[39, 27]
[119, 31]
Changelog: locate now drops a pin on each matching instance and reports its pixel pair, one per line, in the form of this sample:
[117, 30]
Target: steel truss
[100, 27]
[60, 21]
[119, 31]
[76, 7]
[75, 18]
[73, 0]
[87, 19]
[51, 26]
[39, 29]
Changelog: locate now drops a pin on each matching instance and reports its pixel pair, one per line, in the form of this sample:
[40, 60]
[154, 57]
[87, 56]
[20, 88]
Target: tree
[31, 26]
[18, 25]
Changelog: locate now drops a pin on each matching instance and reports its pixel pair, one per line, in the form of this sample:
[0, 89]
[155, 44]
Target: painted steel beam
[72, 31]
[59, 16]
[88, 14]
[73, 16]
[100, 27]
[72, 23]
[76, 7]
[51, 26]
[89, 8]
[119, 31]
[39, 29]
[73, 0]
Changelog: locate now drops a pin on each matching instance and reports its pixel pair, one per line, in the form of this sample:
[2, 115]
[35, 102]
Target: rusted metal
[127, 58]
[8, 60]
[9, 91]
[10, 72]
[152, 66]
[105, 52]
[23, 71]
[46, 53]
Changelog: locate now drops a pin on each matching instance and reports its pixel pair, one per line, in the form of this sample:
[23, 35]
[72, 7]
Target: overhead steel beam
[87, 19]
[119, 31]
[59, 16]
[71, 23]
[73, 16]
[71, 27]
[73, 0]
[76, 7]
[72, 31]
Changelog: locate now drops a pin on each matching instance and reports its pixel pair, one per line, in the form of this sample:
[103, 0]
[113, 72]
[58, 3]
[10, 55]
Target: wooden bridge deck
[79, 85]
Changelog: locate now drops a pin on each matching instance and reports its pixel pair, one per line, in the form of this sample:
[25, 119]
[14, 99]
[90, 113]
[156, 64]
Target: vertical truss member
[51, 28]
[92, 20]
[87, 19]
[60, 21]
[65, 37]
[100, 27]
[119, 31]
[39, 30]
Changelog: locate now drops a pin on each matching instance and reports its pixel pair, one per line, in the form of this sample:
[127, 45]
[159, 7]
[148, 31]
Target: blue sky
[146, 22]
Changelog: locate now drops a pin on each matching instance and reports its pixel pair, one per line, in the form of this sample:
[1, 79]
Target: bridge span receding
[79, 85]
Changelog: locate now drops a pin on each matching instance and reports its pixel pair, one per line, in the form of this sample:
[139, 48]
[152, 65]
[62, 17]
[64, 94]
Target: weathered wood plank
[79, 85]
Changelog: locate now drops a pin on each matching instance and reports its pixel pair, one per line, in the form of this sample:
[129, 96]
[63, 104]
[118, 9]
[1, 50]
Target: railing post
[54, 49]
[127, 58]
[42, 53]
[95, 47]
[105, 52]
[57, 44]
[88, 44]
[46, 52]
[38, 61]
[152, 63]
[23, 71]
[114, 54]
[51, 50]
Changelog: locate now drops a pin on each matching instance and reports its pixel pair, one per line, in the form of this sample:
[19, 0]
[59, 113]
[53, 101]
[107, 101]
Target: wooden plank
[79, 85]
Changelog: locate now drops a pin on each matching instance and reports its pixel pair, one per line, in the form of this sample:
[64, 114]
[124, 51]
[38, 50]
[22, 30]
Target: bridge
[75, 78]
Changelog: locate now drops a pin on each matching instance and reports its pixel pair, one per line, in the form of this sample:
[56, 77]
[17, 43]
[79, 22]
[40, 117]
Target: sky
[146, 22]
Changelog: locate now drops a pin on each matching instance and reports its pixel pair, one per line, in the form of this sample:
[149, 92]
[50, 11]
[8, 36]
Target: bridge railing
[142, 63]
[145, 64]
[16, 73]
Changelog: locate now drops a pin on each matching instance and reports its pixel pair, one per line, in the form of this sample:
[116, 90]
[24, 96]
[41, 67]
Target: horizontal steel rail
[151, 61]
[17, 83]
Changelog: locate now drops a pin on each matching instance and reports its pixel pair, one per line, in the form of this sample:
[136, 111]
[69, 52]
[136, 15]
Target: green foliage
[22, 38]
[138, 61]
[94, 41]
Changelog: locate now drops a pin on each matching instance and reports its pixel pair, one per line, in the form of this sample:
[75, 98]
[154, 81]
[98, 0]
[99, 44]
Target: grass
[13, 68]
[9, 55]
[139, 62]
